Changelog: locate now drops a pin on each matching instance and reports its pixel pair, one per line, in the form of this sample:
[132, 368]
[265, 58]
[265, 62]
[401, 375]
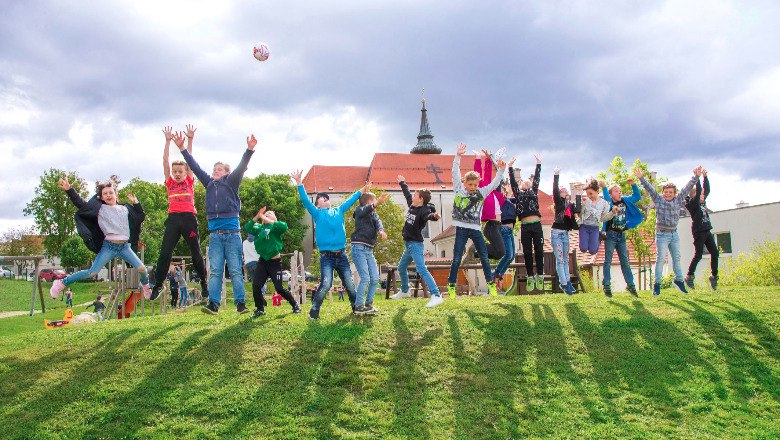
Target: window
[443, 254]
[425, 232]
[723, 240]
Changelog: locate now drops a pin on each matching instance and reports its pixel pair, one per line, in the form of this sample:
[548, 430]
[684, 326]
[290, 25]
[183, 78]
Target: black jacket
[561, 221]
[700, 217]
[416, 218]
[87, 221]
[367, 225]
[526, 202]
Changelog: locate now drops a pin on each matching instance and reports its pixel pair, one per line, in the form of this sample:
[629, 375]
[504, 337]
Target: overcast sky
[88, 86]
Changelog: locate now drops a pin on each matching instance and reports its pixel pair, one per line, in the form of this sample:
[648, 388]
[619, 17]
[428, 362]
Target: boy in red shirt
[181, 221]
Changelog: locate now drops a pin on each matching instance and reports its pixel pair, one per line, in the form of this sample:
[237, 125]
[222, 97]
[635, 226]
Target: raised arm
[350, 201]
[456, 165]
[74, 197]
[234, 179]
[706, 184]
[279, 227]
[190, 136]
[556, 190]
[166, 165]
[203, 176]
[513, 182]
[496, 180]
[689, 186]
[405, 190]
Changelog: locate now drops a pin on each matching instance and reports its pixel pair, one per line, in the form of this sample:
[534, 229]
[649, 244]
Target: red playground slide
[130, 303]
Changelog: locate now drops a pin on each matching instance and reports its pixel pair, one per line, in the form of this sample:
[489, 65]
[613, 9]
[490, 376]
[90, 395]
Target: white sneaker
[56, 288]
[401, 295]
[500, 154]
[435, 301]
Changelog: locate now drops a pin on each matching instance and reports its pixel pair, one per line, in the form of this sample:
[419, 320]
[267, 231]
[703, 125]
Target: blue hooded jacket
[329, 232]
[633, 215]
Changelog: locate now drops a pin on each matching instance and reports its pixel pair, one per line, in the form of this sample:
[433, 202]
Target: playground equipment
[297, 283]
[36, 279]
[65, 322]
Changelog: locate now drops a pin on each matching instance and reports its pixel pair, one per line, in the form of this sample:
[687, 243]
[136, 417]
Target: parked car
[5, 273]
[286, 275]
[52, 274]
[309, 277]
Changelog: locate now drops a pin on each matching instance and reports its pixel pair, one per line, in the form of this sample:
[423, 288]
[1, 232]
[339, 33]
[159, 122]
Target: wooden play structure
[36, 279]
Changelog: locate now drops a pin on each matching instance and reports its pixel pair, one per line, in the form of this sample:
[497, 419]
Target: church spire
[425, 143]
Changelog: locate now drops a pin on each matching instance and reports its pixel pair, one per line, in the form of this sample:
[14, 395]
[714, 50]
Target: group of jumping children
[485, 210]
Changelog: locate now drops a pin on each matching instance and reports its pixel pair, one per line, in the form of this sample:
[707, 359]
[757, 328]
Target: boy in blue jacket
[222, 208]
[331, 239]
[626, 215]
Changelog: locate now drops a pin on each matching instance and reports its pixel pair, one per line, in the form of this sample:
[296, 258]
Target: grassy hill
[705, 365]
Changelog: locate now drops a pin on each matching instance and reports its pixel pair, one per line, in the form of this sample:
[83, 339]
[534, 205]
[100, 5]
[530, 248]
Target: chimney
[743, 204]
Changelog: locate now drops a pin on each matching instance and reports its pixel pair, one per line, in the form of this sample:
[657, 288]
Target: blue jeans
[368, 271]
[108, 252]
[330, 261]
[508, 236]
[617, 240]
[183, 296]
[225, 246]
[415, 251]
[560, 244]
[668, 242]
[589, 239]
[462, 235]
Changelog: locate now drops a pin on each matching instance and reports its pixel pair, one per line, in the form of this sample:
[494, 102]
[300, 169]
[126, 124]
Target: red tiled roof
[433, 171]
[339, 179]
[448, 232]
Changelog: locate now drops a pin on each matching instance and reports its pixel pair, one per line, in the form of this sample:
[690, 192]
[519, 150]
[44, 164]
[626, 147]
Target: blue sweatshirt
[633, 215]
[222, 200]
[329, 232]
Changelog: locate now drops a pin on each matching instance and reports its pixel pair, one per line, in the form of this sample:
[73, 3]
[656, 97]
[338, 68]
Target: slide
[130, 303]
[512, 289]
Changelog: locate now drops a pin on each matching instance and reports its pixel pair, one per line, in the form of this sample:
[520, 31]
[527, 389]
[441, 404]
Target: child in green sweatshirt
[268, 243]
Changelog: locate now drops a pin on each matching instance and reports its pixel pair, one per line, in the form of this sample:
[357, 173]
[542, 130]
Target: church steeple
[425, 143]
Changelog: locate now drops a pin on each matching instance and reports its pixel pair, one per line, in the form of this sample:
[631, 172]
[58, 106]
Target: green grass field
[702, 366]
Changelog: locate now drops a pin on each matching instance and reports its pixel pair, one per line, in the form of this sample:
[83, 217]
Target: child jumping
[367, 227]
[531, 233]
[268, 244]
[331, 239]
[700, 226]
[595, 211]
[667, 211]
[419, 213]
[182, 221]
[625, 215]
[222, 208]
[109, 229]
[508, 220]
[491, 209]
[563, 223]
[466, 214]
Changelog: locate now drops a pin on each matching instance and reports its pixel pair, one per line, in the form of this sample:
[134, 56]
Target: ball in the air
[261, 52]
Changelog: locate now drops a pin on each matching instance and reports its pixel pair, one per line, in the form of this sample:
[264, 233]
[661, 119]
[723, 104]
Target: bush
[761, 267]
[666, 280]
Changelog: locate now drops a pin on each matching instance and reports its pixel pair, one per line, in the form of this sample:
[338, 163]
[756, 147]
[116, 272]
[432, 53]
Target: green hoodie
[268, 237]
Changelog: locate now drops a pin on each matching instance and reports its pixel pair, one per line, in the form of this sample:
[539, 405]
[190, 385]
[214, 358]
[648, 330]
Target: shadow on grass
[740, 360]
[319, 372]
[644, 355]
[406, 383]
[765, 336]
[34, 414]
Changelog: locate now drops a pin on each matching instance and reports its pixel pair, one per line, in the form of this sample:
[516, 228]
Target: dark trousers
[532, 238]
[264, 270]
[174, 295]
[183, 224]
[700, 240]
[495, 243]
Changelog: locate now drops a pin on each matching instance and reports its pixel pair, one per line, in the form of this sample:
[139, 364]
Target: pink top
[491, 209]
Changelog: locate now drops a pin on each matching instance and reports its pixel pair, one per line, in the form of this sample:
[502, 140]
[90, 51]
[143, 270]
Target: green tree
[21, 241]
[154, 199]
[74, 253]
[392, 216]
[640, 237]
[276, 194]
[52, 210]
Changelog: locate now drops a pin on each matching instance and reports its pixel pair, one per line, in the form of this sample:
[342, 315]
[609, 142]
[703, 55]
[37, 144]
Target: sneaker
[568, 289]
[540, 282]
[714, 282]
[500, 154]
[204, 289]
[147, 290]
[689, 281]
[361, 310]
[452, 291]
[211, 308]
[241, 308]
[608, 291]
[314, 314]
[632, 291]
[371, 309]
[657, 289]
[492, 289]
[435, 301]
[258, 313]
[497, 279]
[681, 285]
[529, 283]
[296, 309]
[56, 288]
[155, 292]
[401, 295]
